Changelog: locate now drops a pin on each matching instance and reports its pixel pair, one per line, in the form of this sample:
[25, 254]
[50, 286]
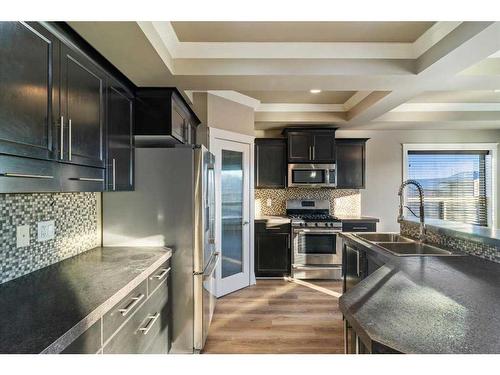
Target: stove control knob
[317, 224]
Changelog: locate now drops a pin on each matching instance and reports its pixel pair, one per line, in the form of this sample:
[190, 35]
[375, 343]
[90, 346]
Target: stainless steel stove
[315, 254]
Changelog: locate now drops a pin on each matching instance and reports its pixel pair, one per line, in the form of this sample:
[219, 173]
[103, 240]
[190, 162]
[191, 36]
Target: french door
[232, 185]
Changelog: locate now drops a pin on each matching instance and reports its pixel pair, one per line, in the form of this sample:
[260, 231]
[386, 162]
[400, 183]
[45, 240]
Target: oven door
[311, 175]
[316, 247]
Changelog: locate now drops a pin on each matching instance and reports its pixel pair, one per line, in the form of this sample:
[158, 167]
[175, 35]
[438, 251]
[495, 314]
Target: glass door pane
[232, 212]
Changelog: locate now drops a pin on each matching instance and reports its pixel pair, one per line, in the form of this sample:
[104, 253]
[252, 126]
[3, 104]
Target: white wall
[384, 166]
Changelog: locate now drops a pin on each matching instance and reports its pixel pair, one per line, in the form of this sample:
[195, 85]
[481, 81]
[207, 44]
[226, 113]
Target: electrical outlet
[269, 202]
[23, 235]
[46, 230]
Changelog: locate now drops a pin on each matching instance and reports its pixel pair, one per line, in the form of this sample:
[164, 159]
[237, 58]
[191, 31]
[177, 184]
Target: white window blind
[456, 184]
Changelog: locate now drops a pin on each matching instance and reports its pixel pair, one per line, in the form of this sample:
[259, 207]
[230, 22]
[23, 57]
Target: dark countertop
[427, 304]
[278, 219]
[285, 219]
[355, 219]
[490, 236]
[46, 310]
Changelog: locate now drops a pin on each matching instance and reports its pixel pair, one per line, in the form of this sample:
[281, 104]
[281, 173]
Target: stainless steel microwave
[312, 175]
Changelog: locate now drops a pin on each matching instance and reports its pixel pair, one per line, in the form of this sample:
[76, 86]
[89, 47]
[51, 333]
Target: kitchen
[210, 195]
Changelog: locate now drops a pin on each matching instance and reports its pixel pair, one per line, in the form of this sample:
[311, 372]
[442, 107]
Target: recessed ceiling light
[315, 91]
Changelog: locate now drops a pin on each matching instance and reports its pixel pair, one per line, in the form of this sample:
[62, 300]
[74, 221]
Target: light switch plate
[269, 202]
[46, 230]
[22, 235]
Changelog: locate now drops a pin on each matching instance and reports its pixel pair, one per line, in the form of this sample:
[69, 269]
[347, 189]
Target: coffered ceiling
[377, 75]
[381, 32]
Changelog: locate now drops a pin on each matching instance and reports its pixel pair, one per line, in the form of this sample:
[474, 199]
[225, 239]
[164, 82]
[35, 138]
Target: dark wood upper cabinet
[163, 118]
[82, 109]
[299, 147]
[310, 145]
[29, 94]
[270, 163]
[54, 103]
[324, 147]
[351, 163]
[120, 139]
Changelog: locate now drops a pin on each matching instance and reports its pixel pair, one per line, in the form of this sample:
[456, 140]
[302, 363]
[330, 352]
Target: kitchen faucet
[420, 189]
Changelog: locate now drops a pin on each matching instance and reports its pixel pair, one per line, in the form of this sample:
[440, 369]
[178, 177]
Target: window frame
[490, 147]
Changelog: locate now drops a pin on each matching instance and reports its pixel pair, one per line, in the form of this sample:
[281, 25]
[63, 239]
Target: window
[457, 180]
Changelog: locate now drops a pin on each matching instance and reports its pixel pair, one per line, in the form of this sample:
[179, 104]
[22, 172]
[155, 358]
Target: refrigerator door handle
[210, 266]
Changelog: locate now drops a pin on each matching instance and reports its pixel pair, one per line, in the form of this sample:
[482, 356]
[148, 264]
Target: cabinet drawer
[271, 227]
[158, 276]
[123, 310]
[141, 330]
[76, 178]
[359, 227]
[89, 342]
[23, 175]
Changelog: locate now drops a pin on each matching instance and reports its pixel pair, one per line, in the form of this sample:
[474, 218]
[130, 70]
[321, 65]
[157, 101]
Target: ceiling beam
[466, 45]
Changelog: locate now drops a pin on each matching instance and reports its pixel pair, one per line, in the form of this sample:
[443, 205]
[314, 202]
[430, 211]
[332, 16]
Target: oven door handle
[320, 231]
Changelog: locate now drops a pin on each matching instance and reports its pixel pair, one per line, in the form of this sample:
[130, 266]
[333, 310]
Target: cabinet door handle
[69, 138]
[88, 179]
[151, 321]
[114, 174]
[357, 263]
[359, 228]
[313, 152]
[131, 305]
[310, 152]
[61, 156]
[161, 275]
[24, 175]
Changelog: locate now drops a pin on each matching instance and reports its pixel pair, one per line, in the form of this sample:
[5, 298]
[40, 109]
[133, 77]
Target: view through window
[457, 184]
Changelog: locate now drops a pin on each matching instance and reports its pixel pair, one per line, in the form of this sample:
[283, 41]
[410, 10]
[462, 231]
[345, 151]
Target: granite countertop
[427, 304]
[272, 219]
[46, 310]
[489, 236]
[348, 219]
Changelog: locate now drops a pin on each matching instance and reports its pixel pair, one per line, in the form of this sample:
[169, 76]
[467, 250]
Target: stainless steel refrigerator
[173, 205]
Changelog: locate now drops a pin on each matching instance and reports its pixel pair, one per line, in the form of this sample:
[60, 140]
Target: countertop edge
[366, 219]
[72, 334]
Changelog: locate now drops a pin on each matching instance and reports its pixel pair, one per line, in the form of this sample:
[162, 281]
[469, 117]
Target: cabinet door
[82, 101]
[178, 121]
[299, 147]
[270, 163]
[120, 140]
[350, 164]
[272, 254]
[324, 147]
[29, 73]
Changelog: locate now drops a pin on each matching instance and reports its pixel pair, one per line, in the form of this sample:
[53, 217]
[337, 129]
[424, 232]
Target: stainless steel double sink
[402, 246]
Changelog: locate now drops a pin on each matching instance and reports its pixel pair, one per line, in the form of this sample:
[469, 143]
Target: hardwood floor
[278, 316]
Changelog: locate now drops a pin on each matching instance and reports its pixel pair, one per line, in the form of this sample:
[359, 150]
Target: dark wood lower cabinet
[272, 251]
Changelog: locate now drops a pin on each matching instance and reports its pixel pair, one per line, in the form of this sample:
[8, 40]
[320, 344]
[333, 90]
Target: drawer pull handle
[161, 275]
[150, 323]
[88, 179]
[28, 175]
[131, 305]
[359, 227]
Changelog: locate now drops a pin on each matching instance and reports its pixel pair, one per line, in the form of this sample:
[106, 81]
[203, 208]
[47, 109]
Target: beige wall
[384, 165]
[220, 113]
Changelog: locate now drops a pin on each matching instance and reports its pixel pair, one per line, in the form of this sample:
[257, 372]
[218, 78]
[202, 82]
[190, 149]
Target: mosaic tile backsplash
[76, 229]
[469, 246]
[342, 202]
